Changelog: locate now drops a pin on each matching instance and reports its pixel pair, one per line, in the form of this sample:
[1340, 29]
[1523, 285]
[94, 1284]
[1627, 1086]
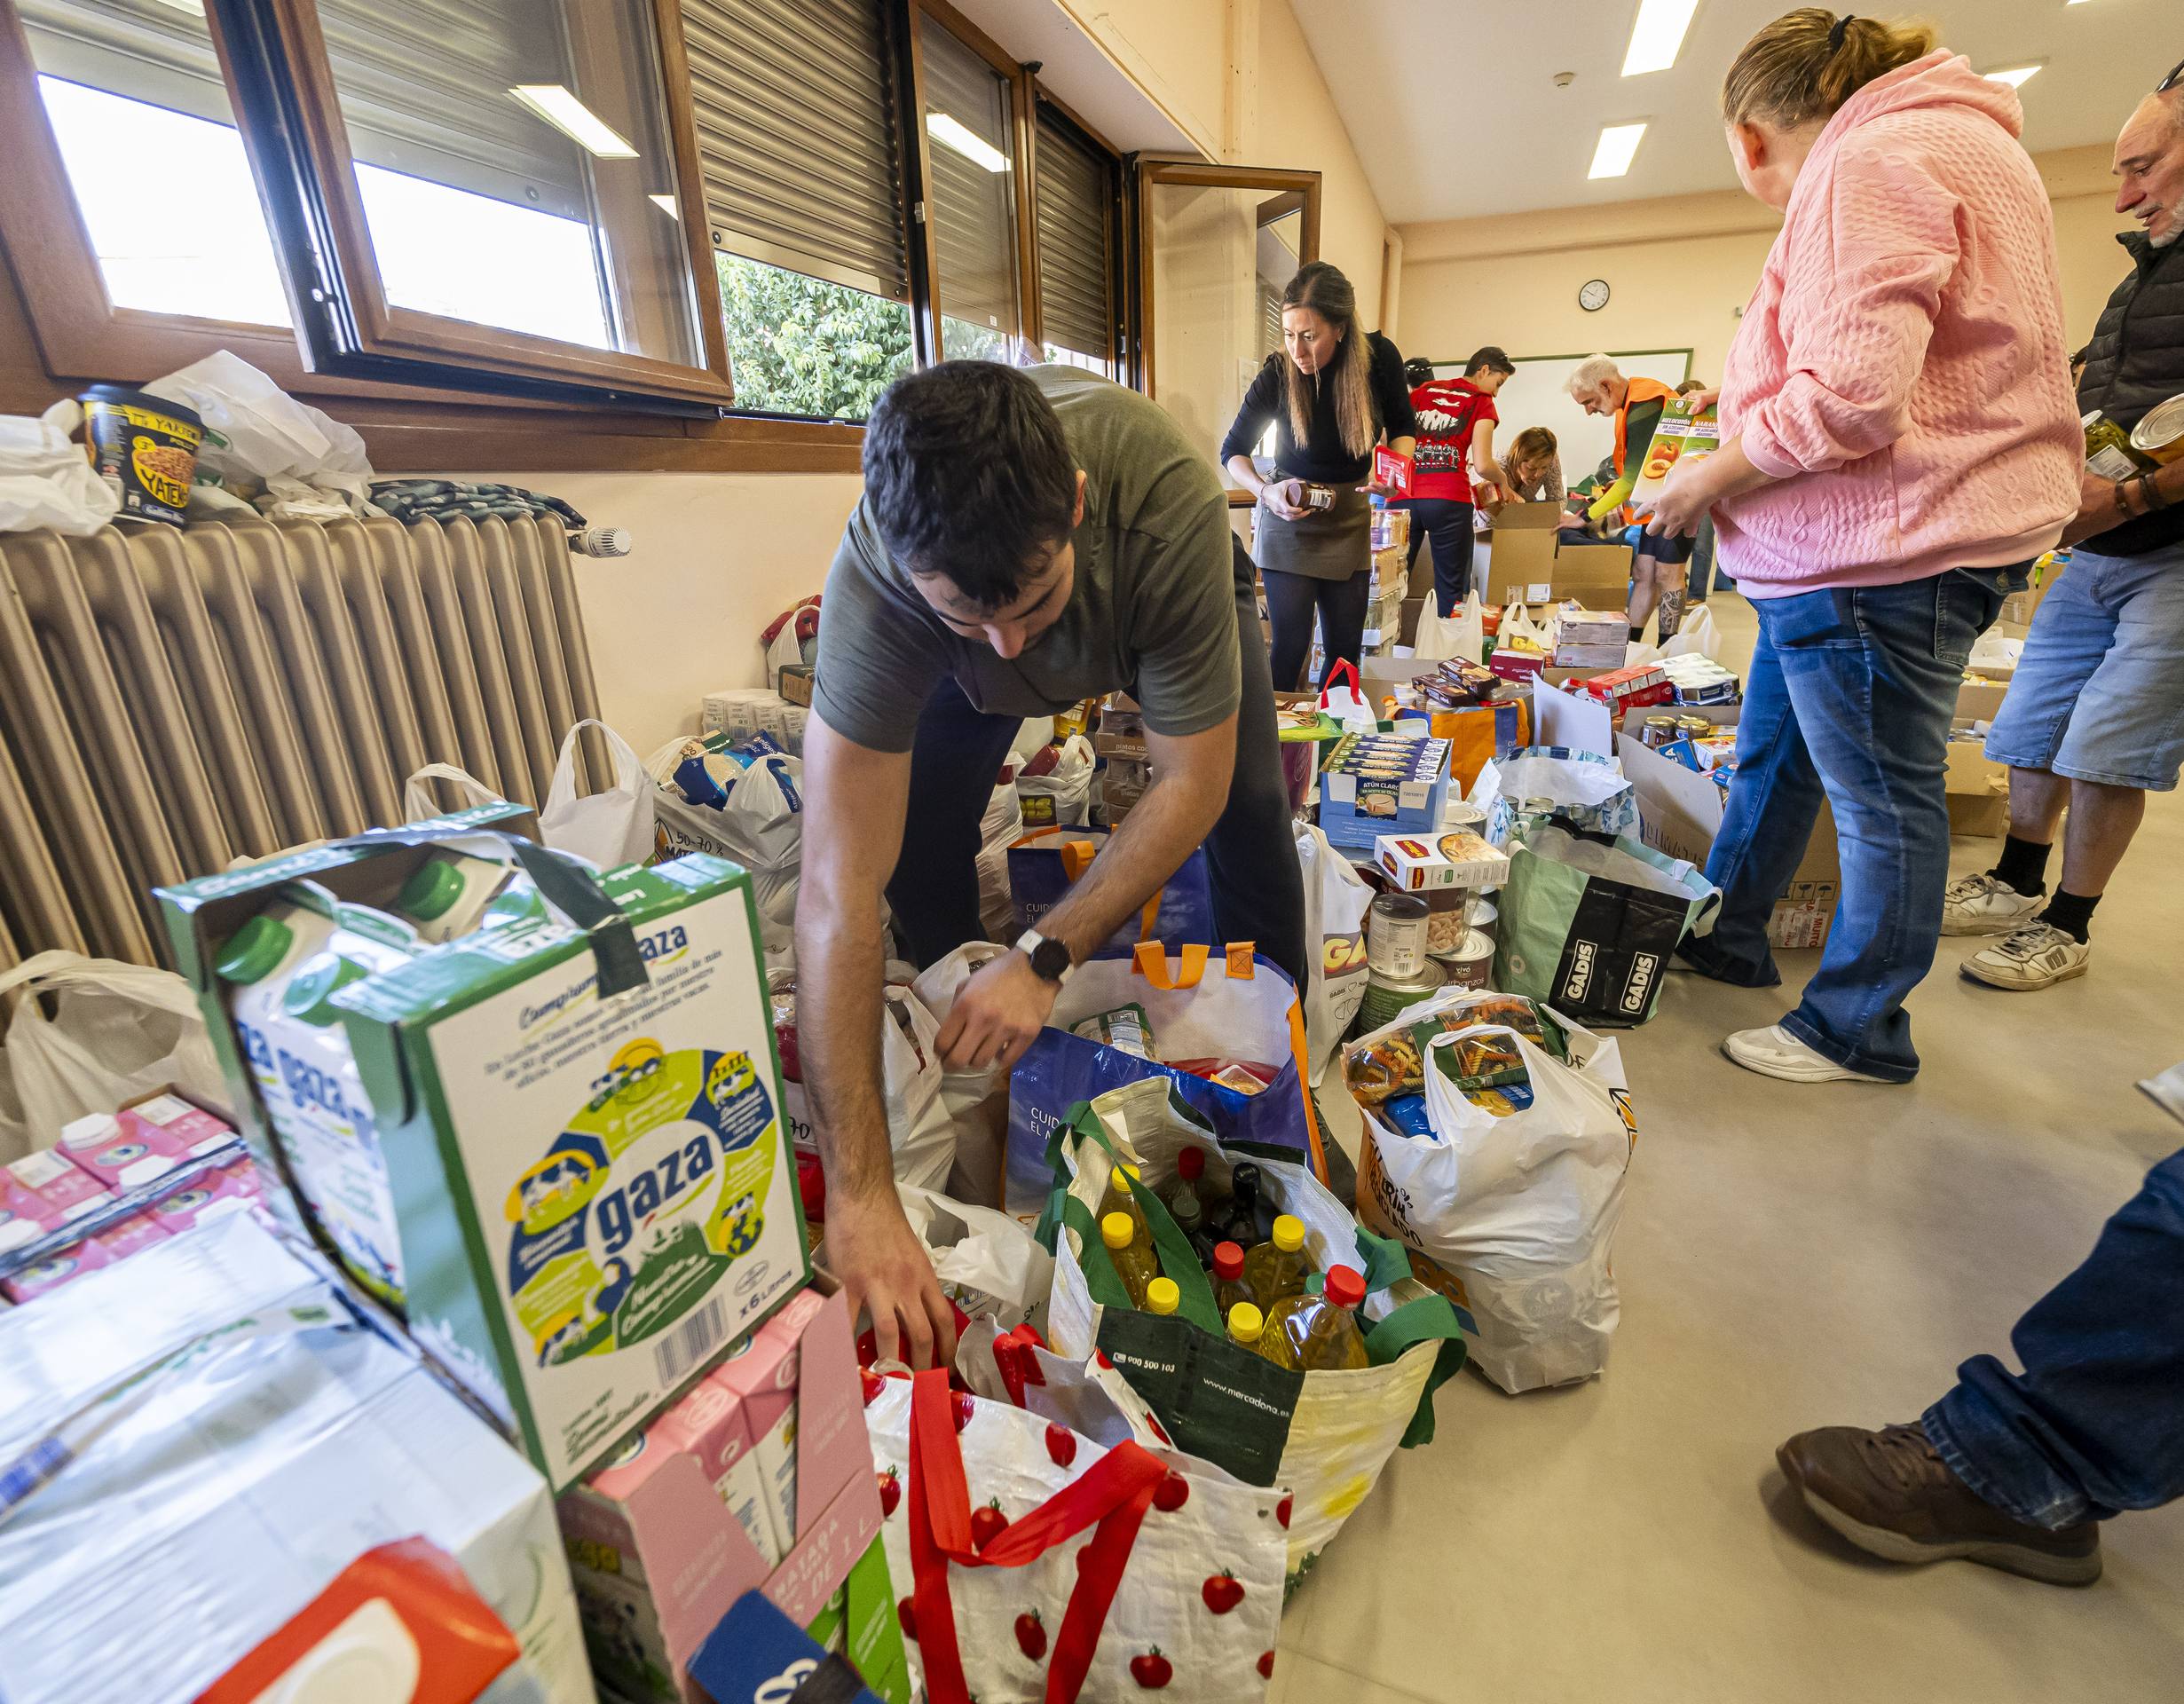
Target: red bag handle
[1327, 680]
[1114, 1494]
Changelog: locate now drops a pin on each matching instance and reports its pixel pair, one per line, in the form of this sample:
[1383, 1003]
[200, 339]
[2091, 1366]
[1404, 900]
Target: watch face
[1050, 959]
[1594, 296]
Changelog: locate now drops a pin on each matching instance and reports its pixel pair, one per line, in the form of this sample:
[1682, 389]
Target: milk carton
[284, 967]
[447, 894]
[119, 1158]
[196, 1132]
[761, 1377]
[42, 1192]
[589, 1168]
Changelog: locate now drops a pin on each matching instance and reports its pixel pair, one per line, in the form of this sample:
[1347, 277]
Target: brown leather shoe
[1890, 1493]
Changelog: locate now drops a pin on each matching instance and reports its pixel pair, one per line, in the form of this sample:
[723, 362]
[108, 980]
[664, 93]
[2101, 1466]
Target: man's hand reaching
[884, 1271]
[996, 1016]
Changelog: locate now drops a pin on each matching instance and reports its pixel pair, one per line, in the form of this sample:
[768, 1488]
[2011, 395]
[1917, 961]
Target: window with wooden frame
[1076, 188]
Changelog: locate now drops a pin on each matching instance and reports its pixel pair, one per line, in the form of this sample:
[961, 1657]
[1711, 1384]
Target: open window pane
[804, 345]
[513, 161]
[970, 131]
[132, 92]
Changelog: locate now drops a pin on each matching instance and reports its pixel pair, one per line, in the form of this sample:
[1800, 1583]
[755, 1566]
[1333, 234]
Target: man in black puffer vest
[2094, 719]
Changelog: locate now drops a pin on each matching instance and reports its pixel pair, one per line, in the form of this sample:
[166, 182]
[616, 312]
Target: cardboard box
[659, 1559]
[1981, 700]
[1522, 563]
[1680, 813]
[1978, 788]
[591, 1180]
[1372, 784]
[1625, 689]
[1683, 434]
[1414, 864]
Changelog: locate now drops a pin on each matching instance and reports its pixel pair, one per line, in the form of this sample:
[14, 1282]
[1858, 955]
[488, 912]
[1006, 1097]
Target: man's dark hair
[969, 475]
[1488, 360]
[1417, 371]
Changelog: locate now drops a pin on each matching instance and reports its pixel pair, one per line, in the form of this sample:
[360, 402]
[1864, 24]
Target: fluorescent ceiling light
[1619, 146]
[953, 133]
[573, 119]
[2016, 75]
[1658, 35]
[666, 204]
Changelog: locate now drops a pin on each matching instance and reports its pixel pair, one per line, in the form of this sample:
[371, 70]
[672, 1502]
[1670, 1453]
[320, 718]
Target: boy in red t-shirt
[1455, 454]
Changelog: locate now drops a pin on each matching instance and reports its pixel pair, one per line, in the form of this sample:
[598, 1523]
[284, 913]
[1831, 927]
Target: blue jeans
[1850, 695]
[2096, 1424]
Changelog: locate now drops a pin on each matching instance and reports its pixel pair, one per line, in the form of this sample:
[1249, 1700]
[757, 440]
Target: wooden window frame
[1152, 172]
[444, 420]
[1121, 226]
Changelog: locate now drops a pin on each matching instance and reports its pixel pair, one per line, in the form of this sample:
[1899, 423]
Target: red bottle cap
[1345, 1286]
[1190, 1164]
[1227, 1261]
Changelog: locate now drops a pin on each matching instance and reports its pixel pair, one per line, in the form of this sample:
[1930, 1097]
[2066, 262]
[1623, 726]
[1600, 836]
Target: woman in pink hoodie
[1899, 442]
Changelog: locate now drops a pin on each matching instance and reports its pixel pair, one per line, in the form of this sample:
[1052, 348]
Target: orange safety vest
[1642, 390]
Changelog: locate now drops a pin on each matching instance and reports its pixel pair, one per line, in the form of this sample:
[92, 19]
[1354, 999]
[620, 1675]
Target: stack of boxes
[1120, 742]
[1372, 784]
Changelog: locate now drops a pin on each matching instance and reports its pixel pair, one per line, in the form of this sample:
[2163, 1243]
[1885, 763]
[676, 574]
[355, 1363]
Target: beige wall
[1678, 268]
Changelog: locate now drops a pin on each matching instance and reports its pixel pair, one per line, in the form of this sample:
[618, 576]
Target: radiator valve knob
[601, 541]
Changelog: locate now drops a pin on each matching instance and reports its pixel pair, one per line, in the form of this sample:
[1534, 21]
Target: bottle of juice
[1275, 1269]
[1319, 1334]
[1247, 1329]
[1228, 1285]
[1119, 1200]
[1133, 1261]
[1161, 1297]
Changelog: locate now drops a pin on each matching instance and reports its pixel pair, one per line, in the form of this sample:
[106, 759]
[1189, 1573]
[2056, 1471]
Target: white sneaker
[1775, 1052]
[1986, 905]
[2039, 955]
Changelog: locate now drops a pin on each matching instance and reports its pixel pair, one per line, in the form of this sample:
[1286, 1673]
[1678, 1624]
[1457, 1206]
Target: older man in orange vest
[1659, 572]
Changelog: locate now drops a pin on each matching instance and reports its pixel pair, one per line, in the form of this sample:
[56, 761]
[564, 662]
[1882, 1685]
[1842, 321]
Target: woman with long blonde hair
[1332, 393]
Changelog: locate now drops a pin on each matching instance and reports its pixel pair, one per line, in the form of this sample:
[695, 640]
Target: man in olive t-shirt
[1026, 539]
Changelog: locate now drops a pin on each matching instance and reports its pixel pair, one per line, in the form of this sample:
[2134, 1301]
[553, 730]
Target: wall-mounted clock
[1594, 296]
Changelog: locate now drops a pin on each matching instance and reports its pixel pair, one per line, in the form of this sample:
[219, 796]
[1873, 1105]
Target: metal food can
[1388, 997]
[2160, 434]
[1470, 966]
[1396, 932]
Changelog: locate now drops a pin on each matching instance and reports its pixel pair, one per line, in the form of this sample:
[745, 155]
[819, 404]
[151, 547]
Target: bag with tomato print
[1046, 1566]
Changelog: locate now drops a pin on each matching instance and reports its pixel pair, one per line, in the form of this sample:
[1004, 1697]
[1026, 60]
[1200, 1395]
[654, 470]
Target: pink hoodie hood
[1900, 369]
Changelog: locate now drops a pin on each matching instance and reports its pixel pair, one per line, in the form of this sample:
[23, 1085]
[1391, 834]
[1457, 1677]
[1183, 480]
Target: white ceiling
[1453, 110]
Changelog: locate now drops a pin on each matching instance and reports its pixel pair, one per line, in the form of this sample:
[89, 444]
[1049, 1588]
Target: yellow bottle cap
[1118, 1176]
[1288, 1235]
[1116, 1230]
[1245, 1322]
[1162, 1296]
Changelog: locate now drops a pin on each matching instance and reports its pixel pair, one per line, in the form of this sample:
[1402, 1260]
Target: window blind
[798, 139]
[1074, 186]
[973, 208]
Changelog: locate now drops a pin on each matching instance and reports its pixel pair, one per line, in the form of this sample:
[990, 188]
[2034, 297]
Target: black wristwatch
[1050, 959]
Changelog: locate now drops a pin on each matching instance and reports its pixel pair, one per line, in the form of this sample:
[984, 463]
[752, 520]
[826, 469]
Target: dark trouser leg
[1258, 893]
[1291, 600]
[1453, 539]
[954, 758]
[2096, 1424]
[1343, 603]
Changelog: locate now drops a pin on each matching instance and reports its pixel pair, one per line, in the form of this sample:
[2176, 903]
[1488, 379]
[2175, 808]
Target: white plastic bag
[1001, 827]
[1697, 637]
[120, 1031]
[45, 480]
[418, 802]
[987, 1262]
[1441, 637]
[977, 1102]
[1522, 1208]
[762, 829]
[1344, 701]
[612, 828]
[254, 431]
[1336, 901]
[922, 1140]
[1062, 798]
[1517, 624]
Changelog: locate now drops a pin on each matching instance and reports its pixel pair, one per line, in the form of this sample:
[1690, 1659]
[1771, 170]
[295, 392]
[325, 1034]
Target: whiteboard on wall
[1534, 396]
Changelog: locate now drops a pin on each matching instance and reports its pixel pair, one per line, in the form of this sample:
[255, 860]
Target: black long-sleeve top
[1321, 458]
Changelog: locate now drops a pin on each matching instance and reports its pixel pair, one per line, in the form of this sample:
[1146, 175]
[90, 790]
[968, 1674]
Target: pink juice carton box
[197, 1131]
[762, 1378]
[56, 1270]
[132, 1235]
[228, 1189]
[41, 1192]
[121, 1157]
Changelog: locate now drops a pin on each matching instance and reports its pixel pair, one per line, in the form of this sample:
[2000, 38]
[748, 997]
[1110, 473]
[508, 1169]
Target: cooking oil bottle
[1133, 1261]
[1319, 1334]
[1276, 1268]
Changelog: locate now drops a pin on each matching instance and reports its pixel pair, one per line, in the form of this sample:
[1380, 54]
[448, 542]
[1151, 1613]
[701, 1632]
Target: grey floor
[1789, 1256]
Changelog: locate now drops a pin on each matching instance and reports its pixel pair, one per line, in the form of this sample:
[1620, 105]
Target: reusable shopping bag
[611, 827]
[1579, 789]
[988, 1506]
[1344, 701]
[1320, 1437]
[1589, 925]
[1336, 901]
[1511, 1214]
[1239, 1006]
[119, 1032]
[1044, 864]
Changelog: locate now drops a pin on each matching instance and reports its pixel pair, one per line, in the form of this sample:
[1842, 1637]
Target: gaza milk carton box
[589, 1166]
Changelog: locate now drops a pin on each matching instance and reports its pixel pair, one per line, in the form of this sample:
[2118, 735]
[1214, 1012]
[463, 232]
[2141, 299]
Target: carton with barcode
[596, 1192]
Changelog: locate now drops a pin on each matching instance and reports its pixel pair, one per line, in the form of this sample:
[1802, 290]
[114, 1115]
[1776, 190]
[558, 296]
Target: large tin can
[2159, 436]
[1388, 997]
[1396, 934]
